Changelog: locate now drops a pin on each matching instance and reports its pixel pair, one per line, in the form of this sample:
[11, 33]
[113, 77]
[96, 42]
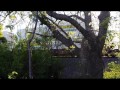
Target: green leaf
[1, 35]
[72, 46]
[1, 26]
[12, 17]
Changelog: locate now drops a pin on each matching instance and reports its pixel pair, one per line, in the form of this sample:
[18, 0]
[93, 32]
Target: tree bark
[91, 48]
[92, 65]
[29, 47]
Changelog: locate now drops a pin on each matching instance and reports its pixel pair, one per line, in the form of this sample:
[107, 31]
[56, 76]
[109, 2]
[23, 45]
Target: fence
[72, 69]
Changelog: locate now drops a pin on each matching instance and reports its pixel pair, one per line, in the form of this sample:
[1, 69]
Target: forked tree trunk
[90, 53]
[92, 65]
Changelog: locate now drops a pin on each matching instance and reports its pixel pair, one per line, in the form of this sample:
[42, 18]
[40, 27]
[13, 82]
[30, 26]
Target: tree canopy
[92, 40]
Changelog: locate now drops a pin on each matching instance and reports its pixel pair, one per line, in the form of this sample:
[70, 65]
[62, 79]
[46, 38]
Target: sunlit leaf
[1, 35]
[71, 33]
[72, 46]
[1, 26]
[12, 17]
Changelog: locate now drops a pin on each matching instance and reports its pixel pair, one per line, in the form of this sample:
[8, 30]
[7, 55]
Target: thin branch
[86, 33]
[6, 16]
[33, 30]
[56, 34]
[29, 48]
[59, 22]
[88, 20]
[104, 19]
[78, 17]
[41, 34]
[58, 26]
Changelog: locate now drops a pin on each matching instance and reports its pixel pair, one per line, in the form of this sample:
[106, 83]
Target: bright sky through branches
[115, 22]
[22, 23]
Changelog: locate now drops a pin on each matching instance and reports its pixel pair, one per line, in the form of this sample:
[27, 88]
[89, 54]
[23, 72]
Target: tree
[29, 48]
[92, 45]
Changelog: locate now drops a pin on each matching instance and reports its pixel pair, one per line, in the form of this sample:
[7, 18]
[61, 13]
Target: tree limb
[86, 33]
[104, 19]
[56, 34]
[58, 26]
[41, 34]
[29, 48]
[78, 17]
[8, 13]
[33, 31]
[88, 20]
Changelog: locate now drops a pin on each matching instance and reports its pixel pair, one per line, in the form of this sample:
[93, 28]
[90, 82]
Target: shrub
[112, 71]
[44, 66]
[20, 60]
[5, 60]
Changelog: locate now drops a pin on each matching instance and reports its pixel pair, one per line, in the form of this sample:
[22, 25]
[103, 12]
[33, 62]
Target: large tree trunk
[91, 61]
[91, 48]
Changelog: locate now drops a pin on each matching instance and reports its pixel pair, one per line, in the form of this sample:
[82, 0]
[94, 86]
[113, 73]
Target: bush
[3, 40]
[20, 59]
[112, 71]
[44, 66]
[6, 60]
[13, 60]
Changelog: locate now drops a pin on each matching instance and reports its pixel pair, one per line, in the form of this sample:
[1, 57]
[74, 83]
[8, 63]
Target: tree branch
[88, 20]
[78, 17]
[58, 26]
[33, 31]
[104, 19]
[29, 48]
[41, 34]
[56, 34]
[86, 33]
[8, 13]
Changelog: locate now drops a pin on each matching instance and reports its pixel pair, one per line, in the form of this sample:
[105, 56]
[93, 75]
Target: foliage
[1, 35]
[118, 54]
[19, 54]
[108, 49]
[67, 26]
[44, 66]
[20, 61]
[12, 75]
[12, 60]
[3, 40]
[12, 17]
[1, 28]
[6, 59]
[112, 71]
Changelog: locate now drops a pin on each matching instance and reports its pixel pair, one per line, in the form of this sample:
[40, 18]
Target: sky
[21, 25]
[115, 24]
